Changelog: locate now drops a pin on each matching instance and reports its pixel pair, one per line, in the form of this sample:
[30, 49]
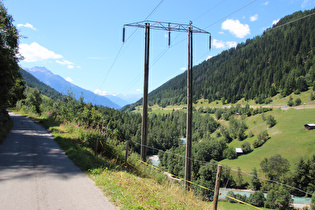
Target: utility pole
[144, 127]
[168, 27]
[189, 111]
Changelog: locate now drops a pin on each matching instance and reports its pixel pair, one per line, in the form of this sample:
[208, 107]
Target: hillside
[281, 60]
[63, 86]
[44, 89]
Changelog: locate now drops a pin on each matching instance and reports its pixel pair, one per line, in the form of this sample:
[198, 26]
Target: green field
[287, 138]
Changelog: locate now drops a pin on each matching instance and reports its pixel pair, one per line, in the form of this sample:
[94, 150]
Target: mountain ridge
[62, 86]
[278, 61]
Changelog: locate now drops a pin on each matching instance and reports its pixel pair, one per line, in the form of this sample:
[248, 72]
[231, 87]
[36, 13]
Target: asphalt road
[36, 174]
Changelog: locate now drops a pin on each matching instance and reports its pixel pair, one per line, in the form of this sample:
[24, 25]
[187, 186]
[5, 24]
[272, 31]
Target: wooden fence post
[217, 188]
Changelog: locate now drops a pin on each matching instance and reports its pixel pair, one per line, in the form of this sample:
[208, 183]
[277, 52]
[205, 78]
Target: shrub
[271, 200]
[268, 100]
[298, 102]
[283, 198]
[278, 198]
[250, 134]
[261, 139]
[230, 194]
[257, 199]
[246, 147]
[229, 153]
[271, 121]
[255, 183]
[236, 196]
[290, 103]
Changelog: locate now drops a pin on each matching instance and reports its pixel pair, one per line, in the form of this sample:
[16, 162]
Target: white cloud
[138, 90]
[221, 32]
[64, 62]
[275, 22]
[69, 79]
[254, 18]
[26, 25]
[231, 44]
[69, 64]
[183, 69]
[35, 52]
[222, 44]
[209, 57]
[218, 43]
[100, 92]
[266, 3]
[236, 27]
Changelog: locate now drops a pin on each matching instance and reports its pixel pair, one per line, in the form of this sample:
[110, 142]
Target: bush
[283, 198]
[261, 139]
[229, 153]
[236, 196]
[271, 121]
[271, 200]
[250, 134]
[257, 199]
[298, 102]
[290, 103]
[278, 198]
[246, 147]
[230, 194]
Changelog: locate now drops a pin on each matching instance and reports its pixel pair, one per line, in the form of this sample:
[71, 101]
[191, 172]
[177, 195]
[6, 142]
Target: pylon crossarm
[166, 26]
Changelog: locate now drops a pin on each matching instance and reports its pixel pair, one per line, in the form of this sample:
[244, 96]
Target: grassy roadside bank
[134, 187]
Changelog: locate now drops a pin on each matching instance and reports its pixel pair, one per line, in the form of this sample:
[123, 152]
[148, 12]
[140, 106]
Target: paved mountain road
[36, 174]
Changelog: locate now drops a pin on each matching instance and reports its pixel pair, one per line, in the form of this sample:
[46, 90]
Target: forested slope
[44, 89]
[281, 60]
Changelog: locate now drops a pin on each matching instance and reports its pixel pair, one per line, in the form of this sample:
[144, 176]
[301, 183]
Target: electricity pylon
[178, 28]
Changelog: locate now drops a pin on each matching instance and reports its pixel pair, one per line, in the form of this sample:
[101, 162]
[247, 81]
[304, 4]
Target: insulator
[123, 34]
[169, 38]
[169, 34]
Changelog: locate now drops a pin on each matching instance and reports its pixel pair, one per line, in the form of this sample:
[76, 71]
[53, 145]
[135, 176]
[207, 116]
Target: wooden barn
[309, 126]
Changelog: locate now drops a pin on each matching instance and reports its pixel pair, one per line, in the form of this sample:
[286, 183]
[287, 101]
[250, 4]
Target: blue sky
[82, 40]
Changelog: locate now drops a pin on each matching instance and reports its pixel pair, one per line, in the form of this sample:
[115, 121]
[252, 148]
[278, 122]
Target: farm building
[238, 151]
[309, 126]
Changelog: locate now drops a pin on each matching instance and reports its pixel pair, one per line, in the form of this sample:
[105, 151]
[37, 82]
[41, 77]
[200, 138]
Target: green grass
[146, 188]
[287, 138]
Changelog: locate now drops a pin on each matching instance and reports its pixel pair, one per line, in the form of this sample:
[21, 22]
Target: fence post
[96, 146]
[217, 188]
[127, 148]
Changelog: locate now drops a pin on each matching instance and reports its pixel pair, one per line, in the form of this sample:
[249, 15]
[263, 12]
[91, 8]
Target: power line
[208, 10]
[231, 14]
[119, 51]
[154, 9]
[291, 21]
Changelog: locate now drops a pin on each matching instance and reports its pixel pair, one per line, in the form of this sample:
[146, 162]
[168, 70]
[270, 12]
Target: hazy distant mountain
[63, 86]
